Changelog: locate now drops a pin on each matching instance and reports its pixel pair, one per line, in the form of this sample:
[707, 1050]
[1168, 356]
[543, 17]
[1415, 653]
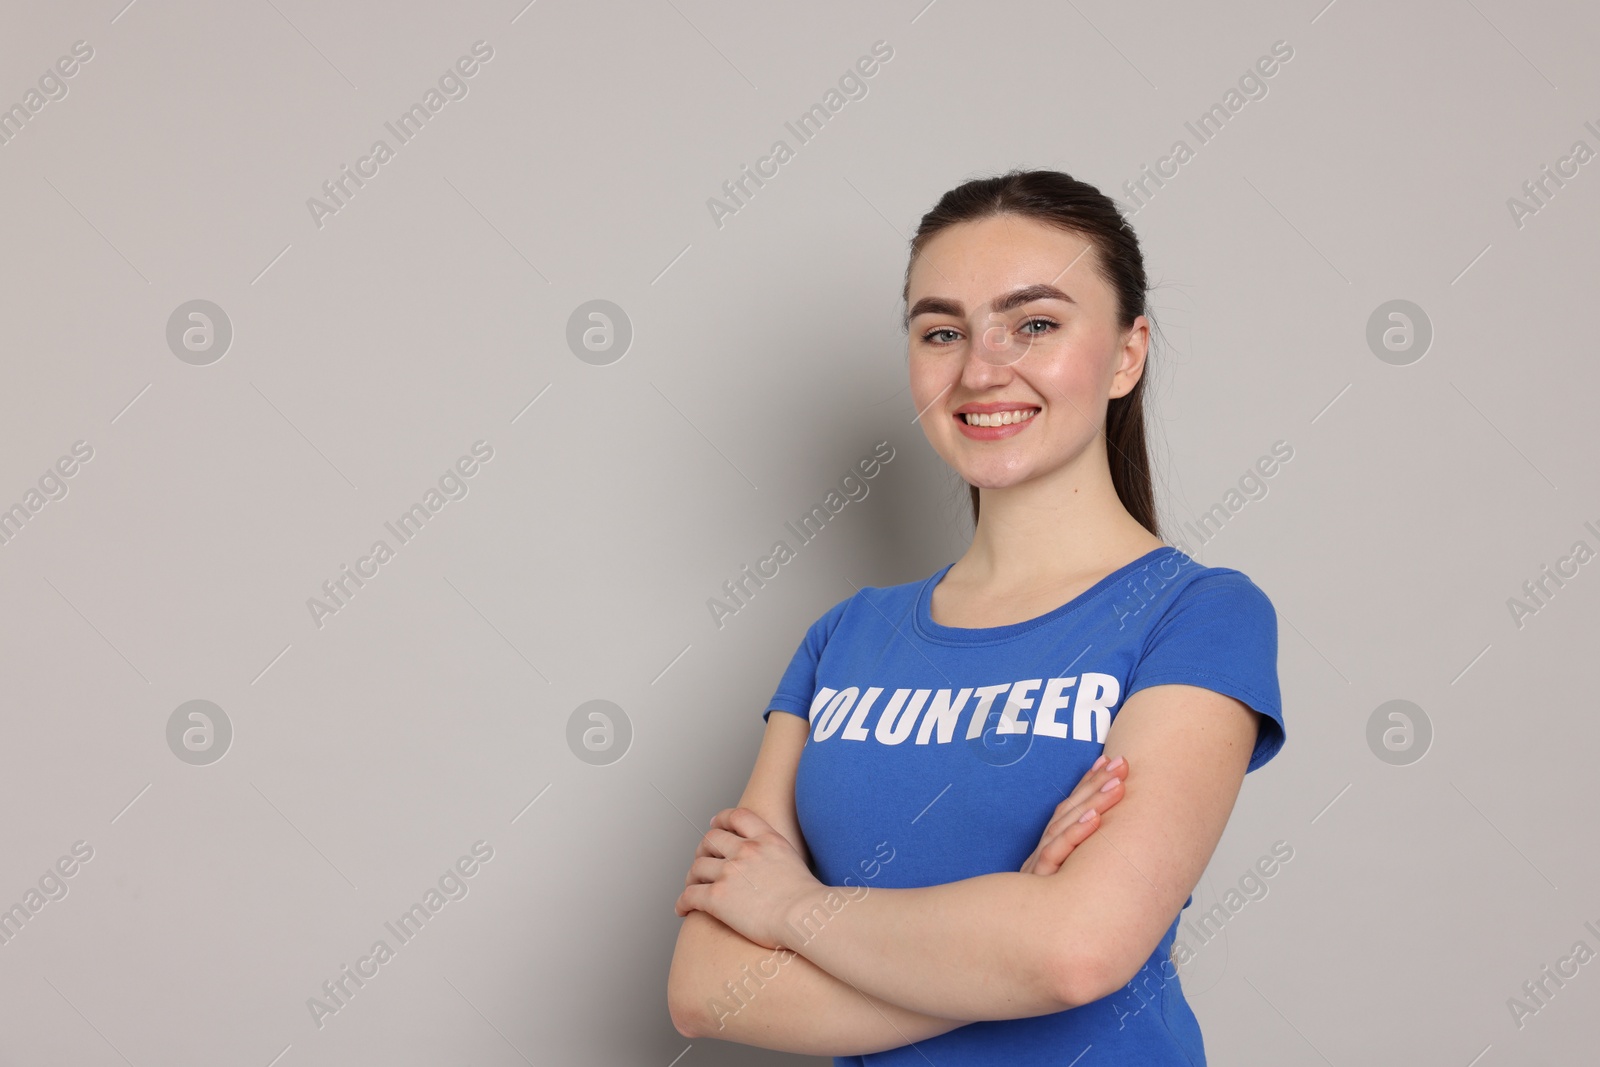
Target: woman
[907, 877]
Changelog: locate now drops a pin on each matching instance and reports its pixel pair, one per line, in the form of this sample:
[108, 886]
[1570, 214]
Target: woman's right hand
[1078, 816]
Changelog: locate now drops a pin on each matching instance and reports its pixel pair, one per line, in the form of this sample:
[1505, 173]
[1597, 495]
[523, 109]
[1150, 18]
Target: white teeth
[999, 418]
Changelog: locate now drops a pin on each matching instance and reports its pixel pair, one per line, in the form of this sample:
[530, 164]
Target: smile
[998, 418]
[994, 425]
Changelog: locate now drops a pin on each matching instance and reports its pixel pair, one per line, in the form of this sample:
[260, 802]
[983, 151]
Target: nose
[987, 364]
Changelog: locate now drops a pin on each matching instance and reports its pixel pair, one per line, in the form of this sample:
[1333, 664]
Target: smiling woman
[986, 718]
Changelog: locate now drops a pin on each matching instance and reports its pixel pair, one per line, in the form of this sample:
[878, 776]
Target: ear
[1135, 347]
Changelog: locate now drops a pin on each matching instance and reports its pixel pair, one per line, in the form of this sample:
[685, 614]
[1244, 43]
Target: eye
[1049, 325]
[931, 334]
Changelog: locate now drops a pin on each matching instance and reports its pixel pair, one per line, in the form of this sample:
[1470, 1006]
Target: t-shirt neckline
[922, 618]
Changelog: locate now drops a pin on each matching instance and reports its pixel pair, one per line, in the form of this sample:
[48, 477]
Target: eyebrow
[938, 305]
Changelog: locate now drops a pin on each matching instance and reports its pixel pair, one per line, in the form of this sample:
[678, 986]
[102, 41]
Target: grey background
[369, 354]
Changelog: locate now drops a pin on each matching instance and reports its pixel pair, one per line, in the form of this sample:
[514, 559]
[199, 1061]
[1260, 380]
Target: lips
[996, 420]
[1001, 413]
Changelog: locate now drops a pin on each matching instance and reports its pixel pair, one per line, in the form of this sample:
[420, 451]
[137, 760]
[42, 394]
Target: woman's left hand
[749, 876]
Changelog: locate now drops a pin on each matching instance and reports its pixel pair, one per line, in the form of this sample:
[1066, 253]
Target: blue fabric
[892, 766]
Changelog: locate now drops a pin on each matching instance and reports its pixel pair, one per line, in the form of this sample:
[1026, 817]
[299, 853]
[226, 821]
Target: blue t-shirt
[939, 753]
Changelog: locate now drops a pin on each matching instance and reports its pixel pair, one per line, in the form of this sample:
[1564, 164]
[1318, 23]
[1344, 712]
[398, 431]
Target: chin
[992, 479]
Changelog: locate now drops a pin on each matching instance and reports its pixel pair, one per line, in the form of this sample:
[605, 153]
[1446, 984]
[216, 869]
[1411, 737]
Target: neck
[1058, 526]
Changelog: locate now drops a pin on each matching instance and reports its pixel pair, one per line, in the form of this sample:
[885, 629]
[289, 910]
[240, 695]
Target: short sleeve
[799, 681]
[1220, 633]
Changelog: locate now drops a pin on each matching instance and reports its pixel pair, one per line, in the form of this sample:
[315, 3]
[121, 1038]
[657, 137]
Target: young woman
[941, 855]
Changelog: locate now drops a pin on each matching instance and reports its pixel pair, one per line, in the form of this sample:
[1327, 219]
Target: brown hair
[1061, 200]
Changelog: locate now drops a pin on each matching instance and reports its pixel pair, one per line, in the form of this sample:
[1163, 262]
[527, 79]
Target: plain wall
[373, 345]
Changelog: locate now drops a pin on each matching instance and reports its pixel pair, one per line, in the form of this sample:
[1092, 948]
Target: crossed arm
[898, 966]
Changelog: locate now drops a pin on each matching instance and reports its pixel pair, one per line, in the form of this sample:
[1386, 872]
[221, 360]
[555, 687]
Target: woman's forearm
[724, 986]
[988, 947]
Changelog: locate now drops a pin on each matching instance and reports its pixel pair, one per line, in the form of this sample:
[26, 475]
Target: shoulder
[1215, 628]
[1221, 587]
[1218, 608]
[1175, 586]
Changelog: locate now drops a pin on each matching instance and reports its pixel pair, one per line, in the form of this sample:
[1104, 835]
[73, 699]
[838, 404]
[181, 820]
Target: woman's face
[1009, 318]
